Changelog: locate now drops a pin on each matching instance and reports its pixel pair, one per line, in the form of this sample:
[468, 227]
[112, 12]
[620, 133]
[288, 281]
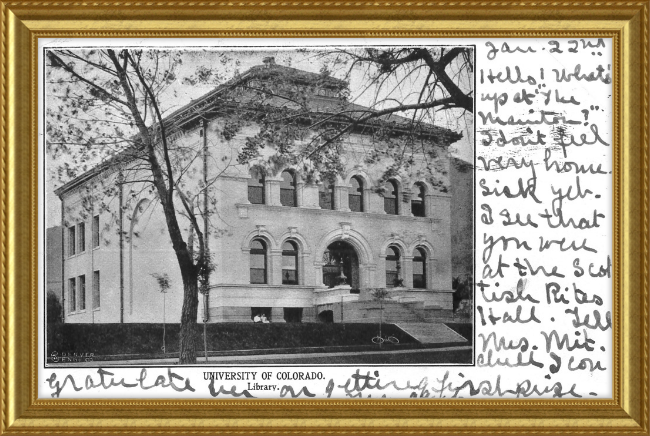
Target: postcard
[284, 218]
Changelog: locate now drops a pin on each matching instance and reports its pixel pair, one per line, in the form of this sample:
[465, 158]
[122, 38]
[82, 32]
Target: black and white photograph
[259, 206]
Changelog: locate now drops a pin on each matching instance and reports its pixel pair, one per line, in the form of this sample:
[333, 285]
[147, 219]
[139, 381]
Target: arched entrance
[340, 265]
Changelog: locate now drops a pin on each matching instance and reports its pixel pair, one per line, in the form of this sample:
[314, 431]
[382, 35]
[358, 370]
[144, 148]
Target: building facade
[283, 244]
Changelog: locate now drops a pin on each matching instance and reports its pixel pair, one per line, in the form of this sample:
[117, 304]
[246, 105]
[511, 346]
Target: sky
[227, 63]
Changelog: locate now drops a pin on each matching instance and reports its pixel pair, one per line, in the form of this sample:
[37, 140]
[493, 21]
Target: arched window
[256, 186]
[355, 194]
[393, 268]
[289, 263]
[326, 195]
[288, 189]
[258, 261]
[419, 269]
[391, 198]
[417, 201]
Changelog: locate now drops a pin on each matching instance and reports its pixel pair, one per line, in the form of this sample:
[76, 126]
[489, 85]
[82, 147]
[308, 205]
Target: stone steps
[431, 332]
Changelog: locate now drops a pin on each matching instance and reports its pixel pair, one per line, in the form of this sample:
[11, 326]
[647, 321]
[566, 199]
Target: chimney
[269, 61]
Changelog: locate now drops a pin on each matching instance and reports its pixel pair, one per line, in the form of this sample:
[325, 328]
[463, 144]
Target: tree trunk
[187, 337]
[165, 190]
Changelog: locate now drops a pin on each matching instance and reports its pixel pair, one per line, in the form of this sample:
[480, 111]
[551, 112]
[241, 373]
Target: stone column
[380, 275]
[407, 271]
[336, 199]
[274, 273]
[443, 242]
[300, 191]
[341, 198]
[277, 314]
[309, 314]
[308, 193]
[429, 205]
[405, 203]
[375, 203]
[368, 276]
[318, 275]
[272, 192]
[366, 198]
[306, 270]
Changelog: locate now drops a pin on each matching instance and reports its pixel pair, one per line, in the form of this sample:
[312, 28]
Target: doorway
[340, 265]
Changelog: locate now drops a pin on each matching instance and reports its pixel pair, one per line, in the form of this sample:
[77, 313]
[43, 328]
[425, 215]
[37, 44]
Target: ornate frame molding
[23, 22]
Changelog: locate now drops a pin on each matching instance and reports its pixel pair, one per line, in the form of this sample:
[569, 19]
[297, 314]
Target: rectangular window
[289, 270]
[96, 299]
[72, 294]
[419, 280]
[288, 197]
[325, 200]
[417, 208]
[82, 237]
[72, 241]
[289, 262]
[258, 276]
[289, 277]
[96, 231]
[82, 292]
[391, 279]
[258, 261]
[258, 269]
[419, 269]
[256, 194]
[391, 272]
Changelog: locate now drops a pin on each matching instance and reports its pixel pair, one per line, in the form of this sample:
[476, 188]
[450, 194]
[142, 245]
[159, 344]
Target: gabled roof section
[211, 103]
[270, 70]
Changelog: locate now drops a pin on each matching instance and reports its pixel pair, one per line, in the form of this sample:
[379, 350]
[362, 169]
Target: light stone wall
[149, 251]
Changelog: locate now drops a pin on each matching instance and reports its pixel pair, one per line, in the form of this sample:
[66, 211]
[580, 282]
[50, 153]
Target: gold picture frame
[23, 22]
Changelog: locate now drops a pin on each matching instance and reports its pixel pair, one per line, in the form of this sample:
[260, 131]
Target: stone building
[292, 247]
[461, 180]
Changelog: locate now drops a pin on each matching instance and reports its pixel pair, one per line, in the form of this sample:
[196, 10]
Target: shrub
[462, 290]
[54, 308]
[120, 339]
